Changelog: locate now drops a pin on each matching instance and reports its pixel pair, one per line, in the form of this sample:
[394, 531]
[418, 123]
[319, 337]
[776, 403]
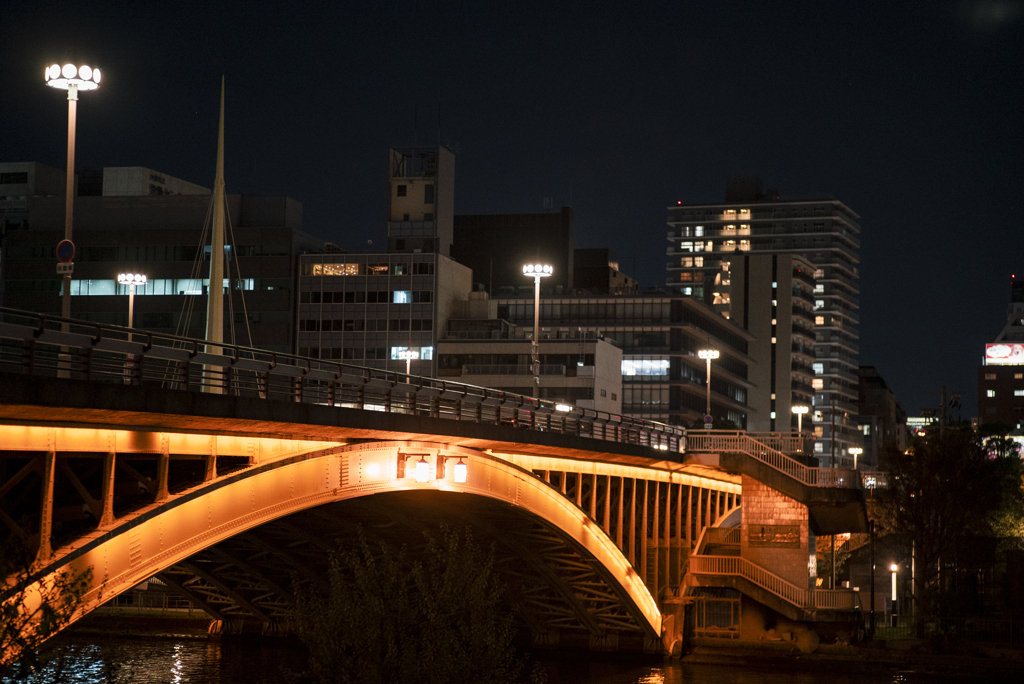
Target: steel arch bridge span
[594, 585]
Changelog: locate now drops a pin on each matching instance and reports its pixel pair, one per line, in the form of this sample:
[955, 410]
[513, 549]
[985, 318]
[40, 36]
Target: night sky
[909, 112]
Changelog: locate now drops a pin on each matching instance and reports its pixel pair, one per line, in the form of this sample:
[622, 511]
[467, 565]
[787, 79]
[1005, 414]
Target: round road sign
[708, 419]
[65, 251]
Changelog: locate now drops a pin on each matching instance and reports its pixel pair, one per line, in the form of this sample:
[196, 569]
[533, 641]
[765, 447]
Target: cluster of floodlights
[538, 270]
[64, 77]
[131, 278]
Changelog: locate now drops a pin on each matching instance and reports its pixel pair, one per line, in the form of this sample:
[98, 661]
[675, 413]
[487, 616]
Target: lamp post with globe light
[800, 411]
[708, 355]
[536, 271]
[71, 78]
[856, 451]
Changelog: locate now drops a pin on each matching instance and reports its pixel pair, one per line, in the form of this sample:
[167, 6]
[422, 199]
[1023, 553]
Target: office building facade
[161, 235]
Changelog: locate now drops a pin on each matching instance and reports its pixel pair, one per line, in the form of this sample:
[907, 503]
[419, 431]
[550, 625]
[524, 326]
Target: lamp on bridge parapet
[708, 355]
[71, 78]
[536, 271]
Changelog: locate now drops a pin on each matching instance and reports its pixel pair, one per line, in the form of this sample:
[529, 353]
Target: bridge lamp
[856, 451]
[461, 472]
[708, 355]
[71, 78]
[409, 355]
[422, 470]
[536, 271]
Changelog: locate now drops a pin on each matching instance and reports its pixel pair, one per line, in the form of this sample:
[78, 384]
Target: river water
[88, 660]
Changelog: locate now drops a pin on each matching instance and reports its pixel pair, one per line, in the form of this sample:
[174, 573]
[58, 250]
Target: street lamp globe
[708, 355]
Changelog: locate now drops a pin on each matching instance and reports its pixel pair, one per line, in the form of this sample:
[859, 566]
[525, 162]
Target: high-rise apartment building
[706, 240]
[773, 300]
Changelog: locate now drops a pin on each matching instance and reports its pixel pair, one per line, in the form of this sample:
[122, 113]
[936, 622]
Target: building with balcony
[705, 241]
[1001, 374]
[773, 300]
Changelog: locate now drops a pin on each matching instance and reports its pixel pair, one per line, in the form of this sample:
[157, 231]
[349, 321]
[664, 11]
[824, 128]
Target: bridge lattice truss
[234, 522]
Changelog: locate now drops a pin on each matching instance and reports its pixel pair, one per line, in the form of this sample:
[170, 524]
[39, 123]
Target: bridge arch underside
[237, 543]
[560, 594]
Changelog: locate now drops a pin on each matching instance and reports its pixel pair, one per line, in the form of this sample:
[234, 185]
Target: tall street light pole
[856, 451]
[131, 280]
[409, 355]
[536, 271]
[800, 411]
[707, 355]
[71, 78]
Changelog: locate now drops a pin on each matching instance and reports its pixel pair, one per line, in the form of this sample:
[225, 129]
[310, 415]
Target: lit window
[819, 288]
[819, 447]
[775, 284]
[729, 229]
[1018, 376]
[819, 273]
[774, 341]
[1018, 393]
[744, 229]
[686, 262]
[685, 246]
[402, 297]
[773, 415]
[866, 429]
[744, 245]
[698, 261]
[818, 383]
[698, 231]
[819, 303]
[775, 321]
[990, 393]
[687, 291]
[819, 320]
[819, 368]
[990, 376]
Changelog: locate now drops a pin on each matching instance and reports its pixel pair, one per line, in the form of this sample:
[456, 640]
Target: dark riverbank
[957, 661]
[961, 660]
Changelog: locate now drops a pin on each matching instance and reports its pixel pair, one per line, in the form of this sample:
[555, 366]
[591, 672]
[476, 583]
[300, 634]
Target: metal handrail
[34, 344]
[769, 448]
[736, 566]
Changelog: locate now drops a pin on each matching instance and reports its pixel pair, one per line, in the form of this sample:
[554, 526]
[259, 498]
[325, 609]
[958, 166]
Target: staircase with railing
[804, 600]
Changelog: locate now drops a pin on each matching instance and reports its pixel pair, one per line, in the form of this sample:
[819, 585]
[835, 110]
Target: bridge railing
[49, 346]
[822, 599]
[760, 447]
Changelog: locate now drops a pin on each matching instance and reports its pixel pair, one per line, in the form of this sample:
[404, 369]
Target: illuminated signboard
[1002, 354]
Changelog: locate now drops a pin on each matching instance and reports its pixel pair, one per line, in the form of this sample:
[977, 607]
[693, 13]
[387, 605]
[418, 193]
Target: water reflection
[81, 660]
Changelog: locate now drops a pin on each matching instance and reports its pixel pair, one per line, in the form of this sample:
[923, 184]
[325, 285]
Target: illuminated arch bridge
[110, 464]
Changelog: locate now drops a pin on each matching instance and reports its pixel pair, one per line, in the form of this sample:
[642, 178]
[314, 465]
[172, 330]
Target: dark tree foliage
[388, 618]
[31, 613]
[943, 494]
